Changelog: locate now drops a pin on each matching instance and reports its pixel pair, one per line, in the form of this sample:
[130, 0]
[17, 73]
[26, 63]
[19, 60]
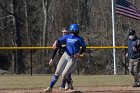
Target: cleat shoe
[66, 87]
[71, 86]
[48, 89]
[61, 88]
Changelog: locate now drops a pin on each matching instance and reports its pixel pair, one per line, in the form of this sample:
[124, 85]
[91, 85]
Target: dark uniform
[59, 47]
[134, 57]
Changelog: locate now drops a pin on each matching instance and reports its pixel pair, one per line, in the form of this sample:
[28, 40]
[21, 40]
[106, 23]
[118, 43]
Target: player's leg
[71, 81]
[59, 69]
[69, 77]
[53, 81]
[64, 82]
[137, 73]
[62, 66]
[70, 66]
[131, 67]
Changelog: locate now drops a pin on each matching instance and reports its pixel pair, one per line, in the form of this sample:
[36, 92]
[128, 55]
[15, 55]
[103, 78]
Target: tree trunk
[20, 64]
[44, 29]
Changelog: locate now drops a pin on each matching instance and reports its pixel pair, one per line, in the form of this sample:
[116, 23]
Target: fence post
[125, 61]
[31, 62]
[15, 61]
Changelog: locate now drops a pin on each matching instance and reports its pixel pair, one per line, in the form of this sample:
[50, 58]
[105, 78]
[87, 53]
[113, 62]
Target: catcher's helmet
[74, 27]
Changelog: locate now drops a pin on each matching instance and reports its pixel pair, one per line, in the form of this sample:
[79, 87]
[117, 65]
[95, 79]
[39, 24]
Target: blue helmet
[74, 27]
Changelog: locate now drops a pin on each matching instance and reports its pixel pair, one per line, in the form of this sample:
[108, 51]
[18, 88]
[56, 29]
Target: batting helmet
[74, 27]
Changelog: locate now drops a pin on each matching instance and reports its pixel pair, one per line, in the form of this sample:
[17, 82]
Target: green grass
[41, 81]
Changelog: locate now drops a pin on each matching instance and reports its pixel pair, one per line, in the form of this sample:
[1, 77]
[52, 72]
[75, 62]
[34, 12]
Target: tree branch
[6, 10]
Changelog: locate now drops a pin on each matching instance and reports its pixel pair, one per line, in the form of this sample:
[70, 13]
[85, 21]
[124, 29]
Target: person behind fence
[134, 57]
[68, 61]
[60, 47]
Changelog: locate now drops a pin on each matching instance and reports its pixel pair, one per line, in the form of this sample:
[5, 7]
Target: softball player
[68, 60]
[61, 48]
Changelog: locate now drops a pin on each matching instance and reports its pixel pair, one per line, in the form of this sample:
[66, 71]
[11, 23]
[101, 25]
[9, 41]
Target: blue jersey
[73, 43]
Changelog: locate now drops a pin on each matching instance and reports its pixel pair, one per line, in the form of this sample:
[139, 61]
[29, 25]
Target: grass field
[42, 81]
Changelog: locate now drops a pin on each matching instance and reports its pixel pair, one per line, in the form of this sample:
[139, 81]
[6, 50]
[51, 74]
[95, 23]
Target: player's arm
[54, 45]
[137, 46]
[83, 45]
[81, 53]
[82, 50]
[54, 53]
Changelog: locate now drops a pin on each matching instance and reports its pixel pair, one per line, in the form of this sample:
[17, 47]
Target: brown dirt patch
[95, 89]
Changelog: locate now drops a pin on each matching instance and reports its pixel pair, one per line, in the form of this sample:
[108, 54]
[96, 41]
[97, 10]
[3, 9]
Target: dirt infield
[96, 89]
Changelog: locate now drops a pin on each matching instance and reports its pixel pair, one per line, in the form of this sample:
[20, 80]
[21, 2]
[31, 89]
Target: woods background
[37, 23]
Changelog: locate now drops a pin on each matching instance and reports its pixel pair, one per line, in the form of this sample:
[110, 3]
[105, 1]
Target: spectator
[134, 57]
